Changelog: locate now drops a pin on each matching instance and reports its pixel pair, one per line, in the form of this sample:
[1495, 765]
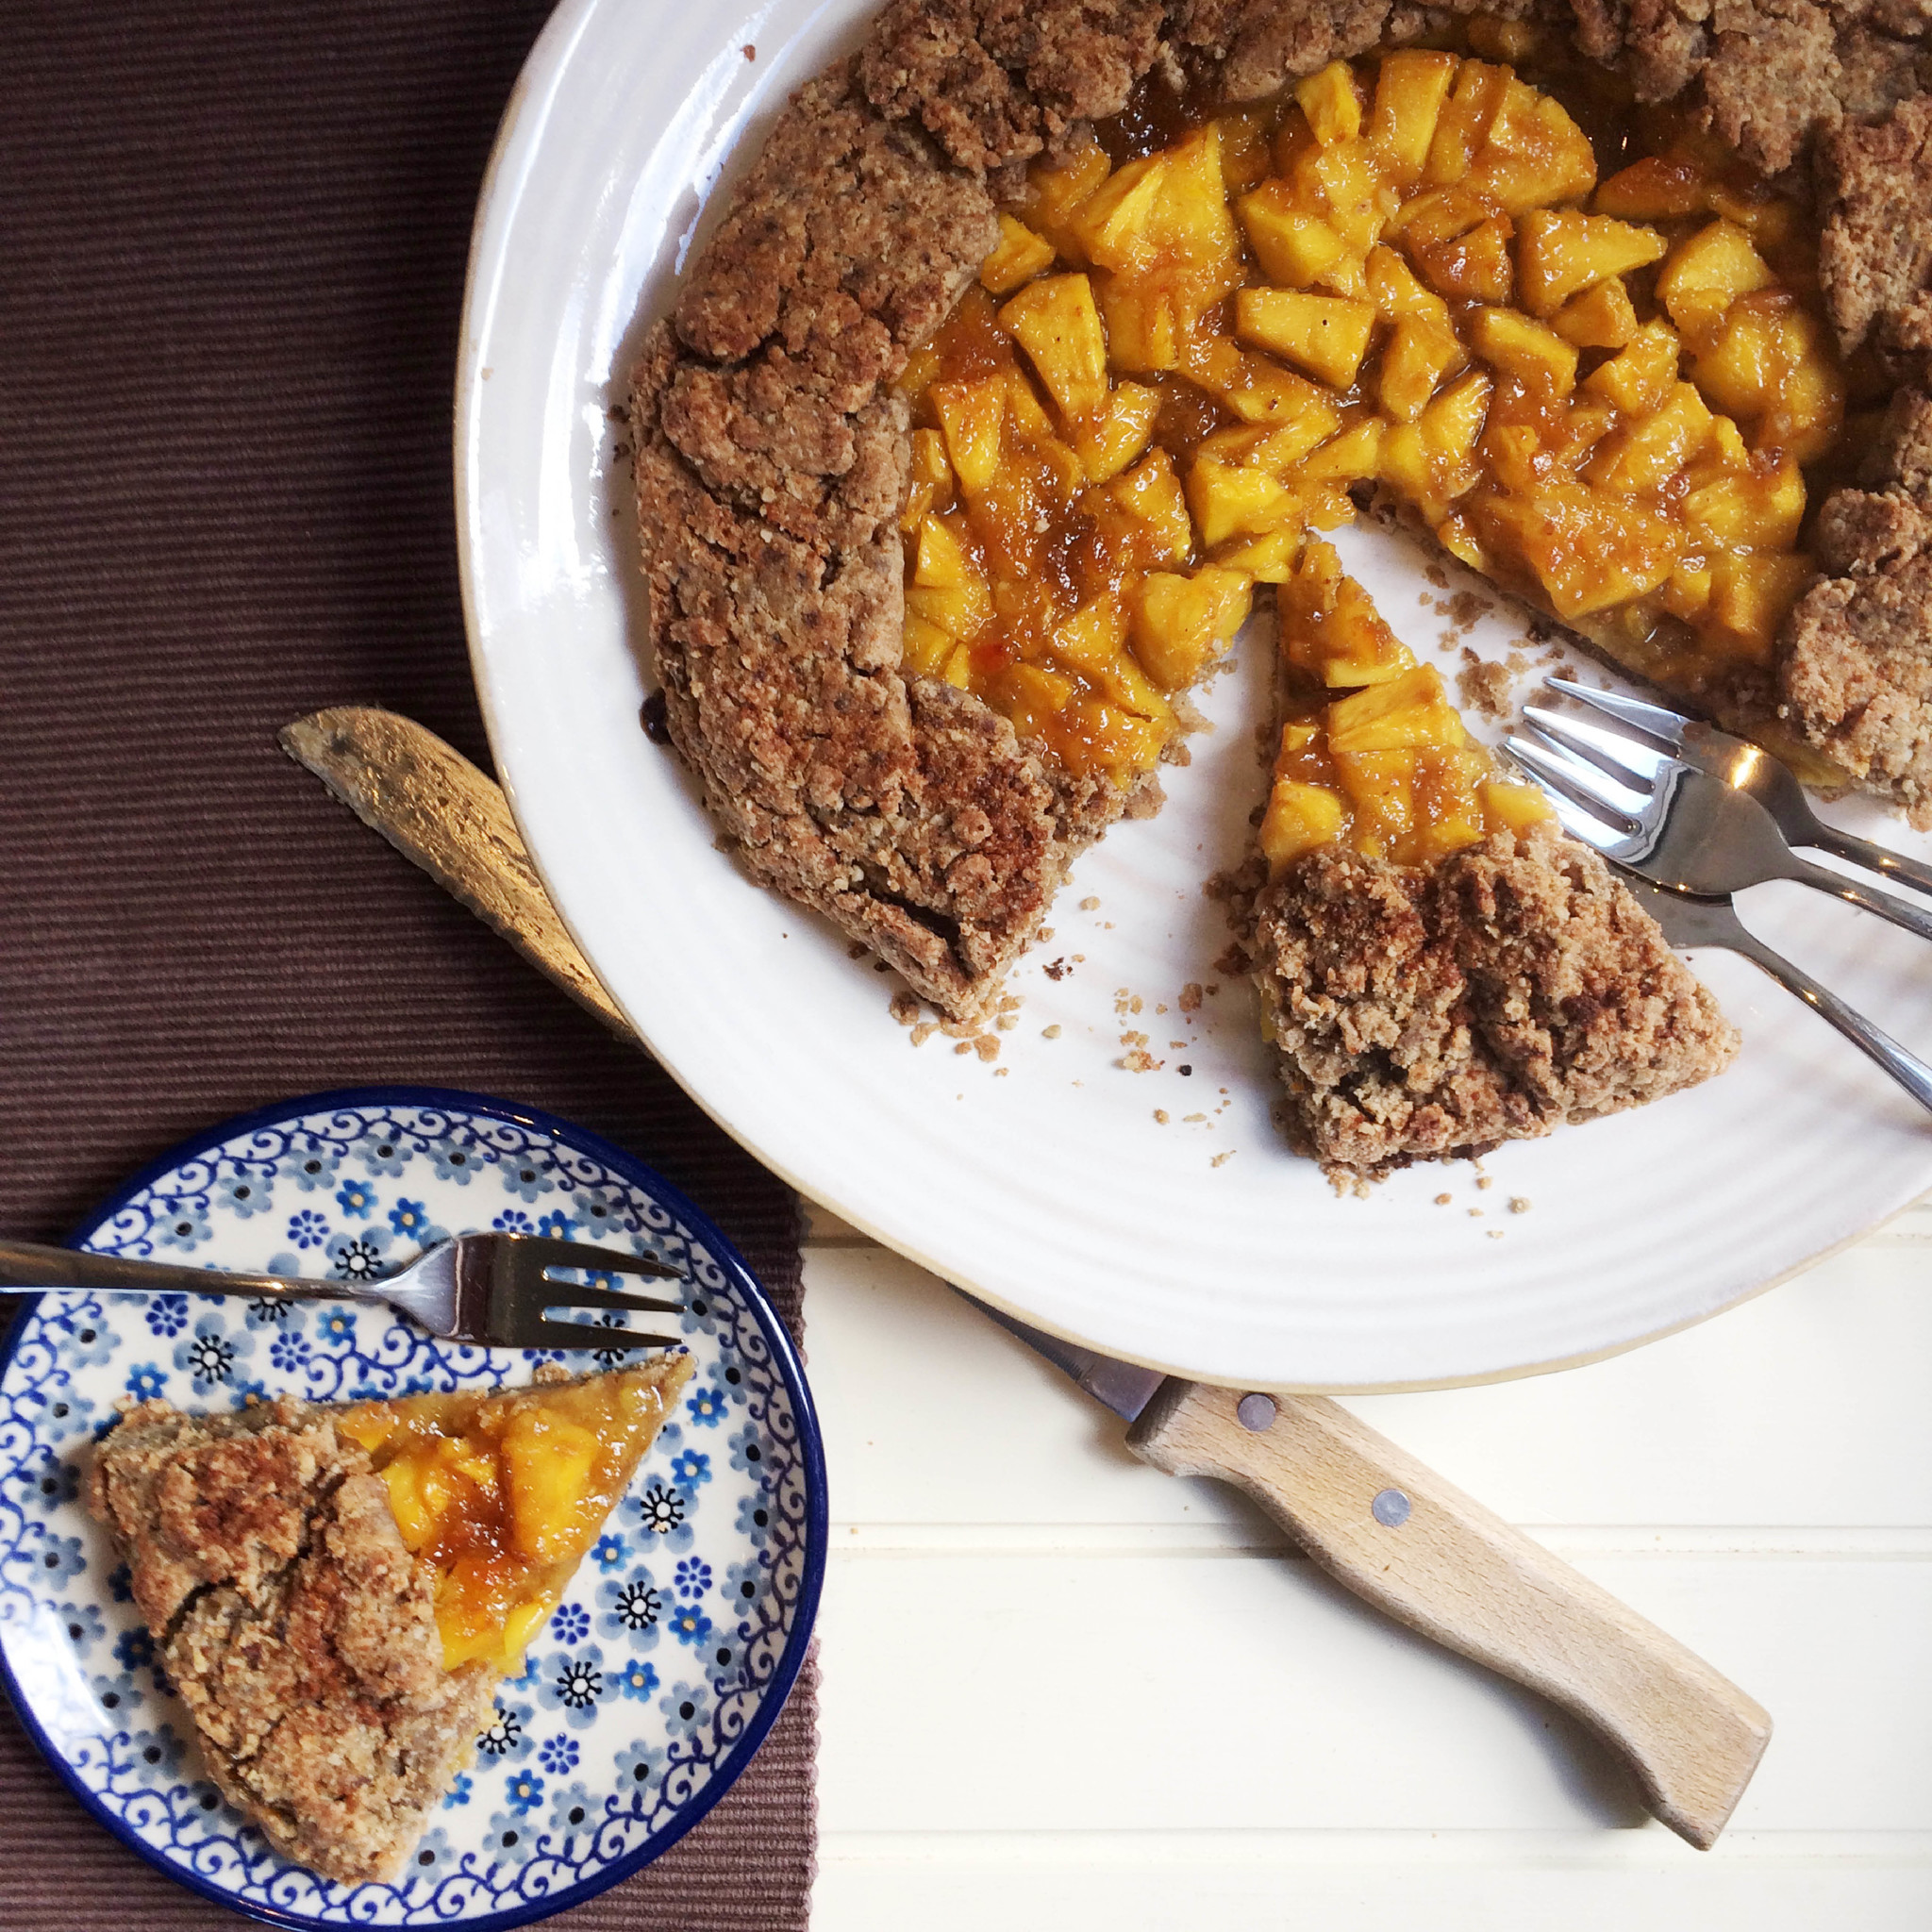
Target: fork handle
[29, 1265]
[1914, 919]
[1907, 1068]
[1879, 858]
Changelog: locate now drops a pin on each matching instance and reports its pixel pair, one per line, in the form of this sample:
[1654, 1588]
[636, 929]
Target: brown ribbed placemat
[232, 241]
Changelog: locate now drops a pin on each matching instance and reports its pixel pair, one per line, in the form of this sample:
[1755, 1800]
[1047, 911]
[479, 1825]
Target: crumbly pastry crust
[1505, 990]
[772, 455]
[299, 1632]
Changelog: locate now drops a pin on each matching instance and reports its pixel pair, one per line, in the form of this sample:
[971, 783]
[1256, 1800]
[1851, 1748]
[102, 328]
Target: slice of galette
[1440, 967]
[335, 1590]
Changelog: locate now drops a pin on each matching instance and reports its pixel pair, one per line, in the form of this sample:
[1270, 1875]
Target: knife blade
[1382, 1524]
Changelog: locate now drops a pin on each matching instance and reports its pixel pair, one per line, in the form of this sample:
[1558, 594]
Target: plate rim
[811, 1445]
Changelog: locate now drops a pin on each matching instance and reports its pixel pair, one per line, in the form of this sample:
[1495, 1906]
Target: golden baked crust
[1505, 992]
[299, 1632]
[772, 455]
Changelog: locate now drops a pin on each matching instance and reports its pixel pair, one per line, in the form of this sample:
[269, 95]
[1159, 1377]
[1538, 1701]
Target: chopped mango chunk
[1600, 318]
[1419, 355]
[1181, 623]
[1327, 335]
[1409, 92]
[1110, 439]
[1019, 257]
[1292, 245]
[1300, 817]
[1534, 354]
[1638, 379]
[1166, 211]
[1750, 598]
[1536, 155]
[971, 414]
[1058, 324]
[1561, 254]
[1708, 273]
[1331, 629]
[1474, 266]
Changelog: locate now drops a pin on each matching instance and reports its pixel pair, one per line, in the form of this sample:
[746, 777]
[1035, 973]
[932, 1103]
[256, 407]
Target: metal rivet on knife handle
[1254, 1412]
[1390, 1509]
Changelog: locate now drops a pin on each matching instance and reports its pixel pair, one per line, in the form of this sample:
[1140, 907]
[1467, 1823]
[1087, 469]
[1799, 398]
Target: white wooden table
[1062, 1691]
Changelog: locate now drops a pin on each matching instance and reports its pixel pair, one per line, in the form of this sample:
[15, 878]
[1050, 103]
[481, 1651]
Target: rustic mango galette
[1038, 340]
[336, 1590]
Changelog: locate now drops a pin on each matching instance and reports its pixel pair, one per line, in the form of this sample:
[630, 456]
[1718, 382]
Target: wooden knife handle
[1413, 1545]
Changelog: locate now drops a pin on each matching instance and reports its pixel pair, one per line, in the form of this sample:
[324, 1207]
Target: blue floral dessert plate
[675, 1647]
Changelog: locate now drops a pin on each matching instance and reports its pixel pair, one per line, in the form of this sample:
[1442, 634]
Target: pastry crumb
[1052, 1032]
[1089, 904]
[905, 1007]
[1191, 997]
[1519, 1204]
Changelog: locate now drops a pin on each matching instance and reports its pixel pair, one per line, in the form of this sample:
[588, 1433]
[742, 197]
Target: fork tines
[552, 1255]
[572, 1294]
[554, 1258]
[1629, 762]
[1667, 727]
[557, 1254]
[1577, 786]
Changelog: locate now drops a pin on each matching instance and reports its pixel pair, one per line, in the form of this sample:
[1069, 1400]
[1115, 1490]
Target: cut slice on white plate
[1156, 1214]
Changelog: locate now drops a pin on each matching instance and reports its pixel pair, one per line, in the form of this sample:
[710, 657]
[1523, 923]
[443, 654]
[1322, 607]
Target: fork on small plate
[1687, 838]
[493, 1290]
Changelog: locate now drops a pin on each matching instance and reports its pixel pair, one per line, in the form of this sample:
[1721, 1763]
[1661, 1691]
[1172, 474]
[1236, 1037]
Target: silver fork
[1681, 827]
[1689, 921]
[493, 1290]
[1752, 769]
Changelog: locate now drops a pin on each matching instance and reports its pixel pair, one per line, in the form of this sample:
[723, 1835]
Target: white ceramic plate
[679, 1638]
[1049, 1183]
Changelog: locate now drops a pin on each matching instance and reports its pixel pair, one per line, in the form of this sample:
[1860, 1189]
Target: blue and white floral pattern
[610, 1744]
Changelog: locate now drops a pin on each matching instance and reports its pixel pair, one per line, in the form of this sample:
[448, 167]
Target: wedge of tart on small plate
[335, 1590]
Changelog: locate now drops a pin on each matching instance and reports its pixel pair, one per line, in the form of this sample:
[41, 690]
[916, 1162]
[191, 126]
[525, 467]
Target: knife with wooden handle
[1379, 1521]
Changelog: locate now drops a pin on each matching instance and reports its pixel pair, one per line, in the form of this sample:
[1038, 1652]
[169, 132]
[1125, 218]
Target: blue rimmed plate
[675, 1647]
